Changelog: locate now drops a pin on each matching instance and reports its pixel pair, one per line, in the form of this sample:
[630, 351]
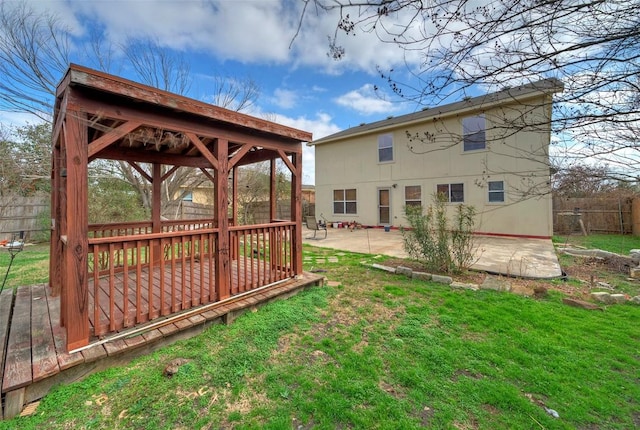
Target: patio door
[384, 207]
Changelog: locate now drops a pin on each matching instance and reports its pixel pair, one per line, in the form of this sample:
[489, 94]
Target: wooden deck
[32, 342]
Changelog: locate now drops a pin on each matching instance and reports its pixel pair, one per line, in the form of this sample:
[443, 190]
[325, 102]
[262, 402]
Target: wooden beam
[55, 245]
[223, 263]
[286, 160]
[76, 295]
[273, 189]
[111, 136]
[296, 212]
[238, 155]
[203, 149]
[156, 198]
[208, 175]
[59, 114]
[234, 198]
[169, 173]
[140, 170]
[132, 155]
[167, 120]
[156, 212]
[257, 157]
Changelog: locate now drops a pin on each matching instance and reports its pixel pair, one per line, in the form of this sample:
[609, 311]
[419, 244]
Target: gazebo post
[55, 247]
[273, 189]
[75, 285]
[296, 211]
[156, 208]
[221, 220]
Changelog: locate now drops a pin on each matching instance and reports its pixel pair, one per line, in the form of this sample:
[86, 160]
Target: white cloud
[320, 126]
[17, 119]
[248, 31]
[285, 99]
[366, 101]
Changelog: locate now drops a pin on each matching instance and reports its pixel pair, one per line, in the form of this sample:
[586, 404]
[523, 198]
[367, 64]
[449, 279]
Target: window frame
[469, 131]
[412, 202]
[382, 139]
[345, 202]
[449, 194]
[491, 192]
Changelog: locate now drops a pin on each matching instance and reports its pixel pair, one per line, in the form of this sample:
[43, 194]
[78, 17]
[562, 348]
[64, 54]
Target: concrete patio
[519, 257]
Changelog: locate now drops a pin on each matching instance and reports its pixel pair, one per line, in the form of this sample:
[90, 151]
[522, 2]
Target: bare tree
[455, 47]
[233, 93]
[35, 53]
[158, 66]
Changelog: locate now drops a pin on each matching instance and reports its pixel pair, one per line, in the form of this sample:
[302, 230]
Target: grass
[30, 266]
[378, 351]
[620, 244]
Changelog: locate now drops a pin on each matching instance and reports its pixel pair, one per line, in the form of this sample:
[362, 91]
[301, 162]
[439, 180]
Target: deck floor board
[43, 349]
[17, 368]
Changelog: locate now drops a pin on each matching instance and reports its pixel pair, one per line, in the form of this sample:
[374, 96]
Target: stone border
[492, 283]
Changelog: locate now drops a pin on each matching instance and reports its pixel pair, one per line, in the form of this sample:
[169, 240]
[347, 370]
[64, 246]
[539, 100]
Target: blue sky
[300, 85]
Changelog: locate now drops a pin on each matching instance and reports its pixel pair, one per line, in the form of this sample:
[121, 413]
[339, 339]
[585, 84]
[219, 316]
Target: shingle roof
[520, 93]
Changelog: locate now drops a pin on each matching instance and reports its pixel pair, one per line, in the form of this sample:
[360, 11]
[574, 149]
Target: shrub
[431, 241]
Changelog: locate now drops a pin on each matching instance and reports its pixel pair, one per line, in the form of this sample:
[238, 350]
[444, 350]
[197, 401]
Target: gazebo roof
[133, 122]
[93, 80]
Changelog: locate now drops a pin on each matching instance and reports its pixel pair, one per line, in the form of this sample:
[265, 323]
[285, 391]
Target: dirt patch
[464, 372]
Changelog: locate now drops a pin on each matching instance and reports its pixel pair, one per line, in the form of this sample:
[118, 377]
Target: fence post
[635, 216]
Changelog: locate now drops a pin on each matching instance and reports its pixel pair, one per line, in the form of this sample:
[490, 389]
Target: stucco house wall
[427, 154]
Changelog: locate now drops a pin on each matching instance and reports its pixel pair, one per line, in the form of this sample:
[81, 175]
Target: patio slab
[511, 256]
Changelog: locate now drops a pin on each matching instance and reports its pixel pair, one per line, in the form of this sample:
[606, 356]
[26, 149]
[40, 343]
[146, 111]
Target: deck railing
[262, 253]
[140, 276]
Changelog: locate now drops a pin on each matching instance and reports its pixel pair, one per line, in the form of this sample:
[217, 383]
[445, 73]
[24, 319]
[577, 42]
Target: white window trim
[504, 192]
[344, 202]
[393, 154]
[473, 151]
[405, 195]
[464, 192]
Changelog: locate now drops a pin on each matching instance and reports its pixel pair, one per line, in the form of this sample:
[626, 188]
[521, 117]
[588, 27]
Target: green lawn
[620, 244]
[30, 266]
[378, 351]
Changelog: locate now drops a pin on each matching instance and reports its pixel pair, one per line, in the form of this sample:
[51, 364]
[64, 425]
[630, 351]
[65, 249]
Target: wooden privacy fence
[23, 214]
[598, 215]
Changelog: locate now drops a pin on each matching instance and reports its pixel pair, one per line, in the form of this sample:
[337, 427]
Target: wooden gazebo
[117, 276]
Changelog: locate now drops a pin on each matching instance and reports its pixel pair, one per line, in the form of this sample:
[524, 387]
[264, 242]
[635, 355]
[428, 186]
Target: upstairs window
[413, 195]
[473, 130]
[452, 193]
[496, 191]
[344, 201]
[385, 148]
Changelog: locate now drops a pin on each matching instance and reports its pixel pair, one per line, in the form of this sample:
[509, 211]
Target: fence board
[599, 215]
[22, 214]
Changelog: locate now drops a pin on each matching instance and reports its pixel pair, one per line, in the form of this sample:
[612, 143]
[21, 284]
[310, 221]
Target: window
[412, 195]
[496, 191]
[188, 196]
[473, 130]
[453, 193]
[385, 148]
[344, 201]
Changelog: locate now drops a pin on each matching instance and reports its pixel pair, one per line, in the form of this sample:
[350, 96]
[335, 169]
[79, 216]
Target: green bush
[431, 241]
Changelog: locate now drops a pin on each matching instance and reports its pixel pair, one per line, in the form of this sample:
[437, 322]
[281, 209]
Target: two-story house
[491, 152]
